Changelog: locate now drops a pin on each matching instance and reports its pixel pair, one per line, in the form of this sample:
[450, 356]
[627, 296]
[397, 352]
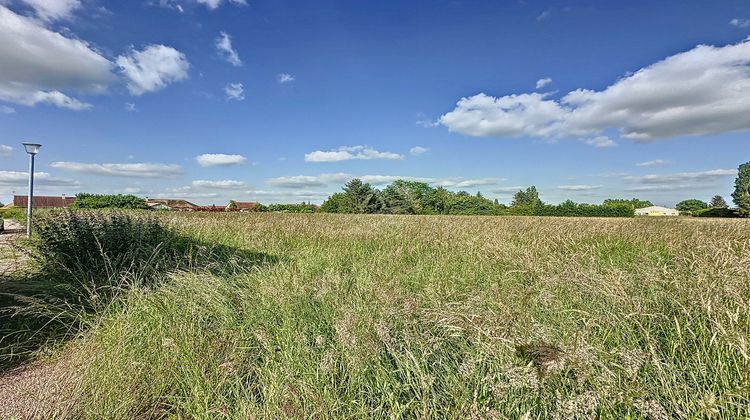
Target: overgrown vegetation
[458, 317]
[741, 194]
[373, 316]
[84, 262]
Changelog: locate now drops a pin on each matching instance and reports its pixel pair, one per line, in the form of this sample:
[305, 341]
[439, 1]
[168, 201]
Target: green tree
[635, 202]
[108, 201]
[741, 194]
[691, 206]
[718, 202]
[528, 198]
[362, 197]
[232, 205]
[337, 203]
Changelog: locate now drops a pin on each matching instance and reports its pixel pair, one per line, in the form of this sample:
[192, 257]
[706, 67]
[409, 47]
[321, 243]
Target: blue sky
[283, 101]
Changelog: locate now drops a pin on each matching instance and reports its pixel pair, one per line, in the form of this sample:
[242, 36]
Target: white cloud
[53, 9]
[219, 159]
[508, 190]
[543, 82]
[130, 107]
[651, 163]
[14, 178]
[683, 177]
[226, 51]
[600, 142]
[544, 15]
[234, 92]
[213, 4]
[418, 150]
[307, 181]
[284, 78]
[740, 23]
[326, 179]
[39, 64]
[5, 109]
[705, 90]
[579, 187]
[464, 183]
[152, 68]
[227, 184]
[5, 150]
[350, 153]
[128, 170]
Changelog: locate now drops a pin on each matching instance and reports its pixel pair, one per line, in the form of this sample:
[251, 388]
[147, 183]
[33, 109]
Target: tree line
[413, 197]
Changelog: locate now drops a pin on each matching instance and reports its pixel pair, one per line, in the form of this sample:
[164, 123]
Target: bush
[717, 212]
[14, 213]
[96, 247]
[108, 201]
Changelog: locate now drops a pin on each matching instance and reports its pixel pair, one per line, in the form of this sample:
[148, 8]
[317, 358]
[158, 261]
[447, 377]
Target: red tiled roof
[41, 201]
[245, 205]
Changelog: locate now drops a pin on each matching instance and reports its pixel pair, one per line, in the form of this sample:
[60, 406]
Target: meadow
[341, 316]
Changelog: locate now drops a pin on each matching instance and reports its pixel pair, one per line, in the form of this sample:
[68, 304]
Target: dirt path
[35, 390]
[12, 257]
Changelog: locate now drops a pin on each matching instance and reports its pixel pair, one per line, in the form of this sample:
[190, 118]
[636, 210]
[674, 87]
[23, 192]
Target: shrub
[717, 212]
[108, 201]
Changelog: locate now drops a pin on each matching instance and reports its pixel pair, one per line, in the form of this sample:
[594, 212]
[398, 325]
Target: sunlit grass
[388, 316]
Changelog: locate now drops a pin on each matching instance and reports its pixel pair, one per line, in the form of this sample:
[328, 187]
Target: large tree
[741, 194]
[530, 198]
[691, 206]
[361, 197]
[718, 202]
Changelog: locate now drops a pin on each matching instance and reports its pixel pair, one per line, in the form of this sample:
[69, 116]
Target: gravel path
[35, 390]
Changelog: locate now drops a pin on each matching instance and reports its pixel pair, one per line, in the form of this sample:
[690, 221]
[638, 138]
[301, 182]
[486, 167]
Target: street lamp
[32, 149]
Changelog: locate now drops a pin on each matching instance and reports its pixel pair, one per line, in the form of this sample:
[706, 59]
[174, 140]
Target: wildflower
[167, 342]
[581, 406]
[632, 360]
[516, 377]
[320, 341]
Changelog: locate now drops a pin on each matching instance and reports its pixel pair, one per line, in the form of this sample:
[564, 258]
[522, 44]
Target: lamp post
[32, 149]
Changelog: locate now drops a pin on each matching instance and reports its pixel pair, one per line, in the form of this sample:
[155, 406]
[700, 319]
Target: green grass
[435, 316]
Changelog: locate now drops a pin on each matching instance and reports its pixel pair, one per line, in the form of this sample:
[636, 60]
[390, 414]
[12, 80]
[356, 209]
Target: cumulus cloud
[705, 90]
[219, 159]
[418, 150]
[226, 51]
[152, 68]
[53, 9]
[350, 153]
[5, 150]
[226, 184]
[127, 170]
[579, 187]
[39, 64]
[234, 92]
[740, 23]
[543, 82]
[284, 78]
[650, 163]
[15, 178]
[326, 179]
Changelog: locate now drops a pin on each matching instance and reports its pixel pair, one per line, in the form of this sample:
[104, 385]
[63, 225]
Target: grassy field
[461, 317]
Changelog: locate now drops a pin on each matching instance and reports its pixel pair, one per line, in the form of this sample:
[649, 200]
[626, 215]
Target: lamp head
[32, 148]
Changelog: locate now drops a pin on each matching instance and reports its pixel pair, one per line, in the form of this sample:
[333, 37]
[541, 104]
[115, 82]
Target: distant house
[656, 211]
[244, 206]
[41, 201]
[174, 204]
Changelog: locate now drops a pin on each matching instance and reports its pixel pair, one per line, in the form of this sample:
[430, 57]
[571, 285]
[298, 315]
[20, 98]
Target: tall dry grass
[470, 317]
